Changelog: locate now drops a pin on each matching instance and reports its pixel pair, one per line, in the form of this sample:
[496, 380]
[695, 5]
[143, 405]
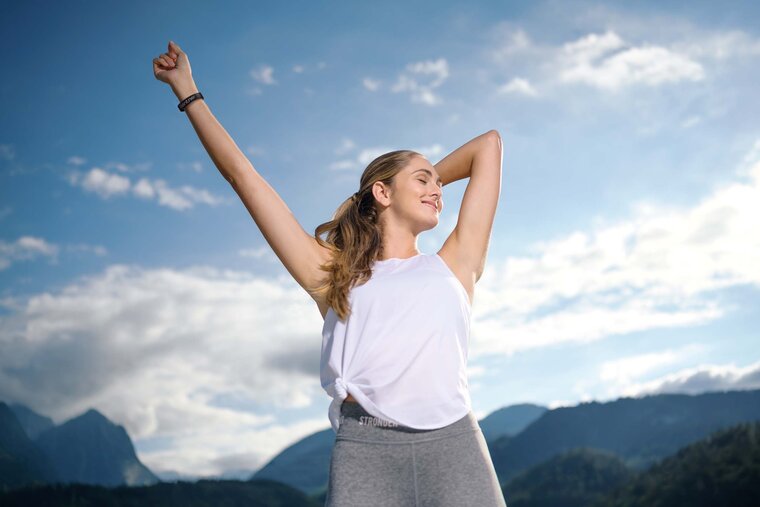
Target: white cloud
[175, 354]
[107, 185]
[518, 86]
[263, 252]
[422, 92]
[371, 84]
[31, 247]
[700, 379]
[719, 45]
[366, 155]
[619, 373]
[606, 62]
[691, 121]
[511, 41]
[657, 51]
[104, 184]
[26, 248]
[263, 74]
[76, 160]
[656, 269]
[346, 145]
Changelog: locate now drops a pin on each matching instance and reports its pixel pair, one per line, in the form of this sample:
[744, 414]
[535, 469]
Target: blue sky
[624, 255]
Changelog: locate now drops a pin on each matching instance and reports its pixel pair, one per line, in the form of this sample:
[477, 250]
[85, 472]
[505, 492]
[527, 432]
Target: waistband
[359, 425]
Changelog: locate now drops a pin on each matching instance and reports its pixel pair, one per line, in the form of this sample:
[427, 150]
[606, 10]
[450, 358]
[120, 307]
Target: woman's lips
[429, 204]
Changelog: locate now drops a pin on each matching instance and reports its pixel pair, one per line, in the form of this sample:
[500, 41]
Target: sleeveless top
[402, 352]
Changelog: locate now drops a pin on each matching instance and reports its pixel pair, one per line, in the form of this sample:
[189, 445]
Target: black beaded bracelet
[182, 105]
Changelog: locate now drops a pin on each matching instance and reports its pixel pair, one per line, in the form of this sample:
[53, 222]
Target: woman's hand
[173, 67]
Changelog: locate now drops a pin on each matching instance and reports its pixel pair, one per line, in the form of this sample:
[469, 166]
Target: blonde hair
[354, 234]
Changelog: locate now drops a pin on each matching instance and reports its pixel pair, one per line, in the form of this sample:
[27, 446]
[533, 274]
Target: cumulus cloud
[605, 61]
[26, 248]
[700, 379]
[104, 184]
[107, 185]
[659, 268]
[168, 354]
[76, 160]
[518, 86]
[720, 45]
[263, 74]
[262, 252]
[364, 156]
[421, 78]
[371, 84]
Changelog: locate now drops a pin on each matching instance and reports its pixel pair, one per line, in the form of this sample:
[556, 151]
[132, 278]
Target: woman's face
[417, 193]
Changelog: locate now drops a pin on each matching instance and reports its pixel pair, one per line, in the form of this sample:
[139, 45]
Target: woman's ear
[382, 193]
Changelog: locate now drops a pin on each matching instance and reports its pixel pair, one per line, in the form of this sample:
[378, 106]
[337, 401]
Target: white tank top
[402, 353]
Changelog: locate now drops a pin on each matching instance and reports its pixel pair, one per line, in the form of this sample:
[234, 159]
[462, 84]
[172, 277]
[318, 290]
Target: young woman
[396, 321]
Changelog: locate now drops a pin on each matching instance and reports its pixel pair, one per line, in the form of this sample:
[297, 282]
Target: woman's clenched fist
[172, 67]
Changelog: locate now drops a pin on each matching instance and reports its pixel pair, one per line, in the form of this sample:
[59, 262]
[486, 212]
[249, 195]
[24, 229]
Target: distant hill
[545, 455]
[87, 449]
[203, 493]
[90, 449]
[32, 422]
[304, 465]
[640, 431]
[723, 469]
[509, 421]
[574, 478]
[21, 461]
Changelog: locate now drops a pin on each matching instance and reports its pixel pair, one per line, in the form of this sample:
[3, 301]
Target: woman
[396, 321]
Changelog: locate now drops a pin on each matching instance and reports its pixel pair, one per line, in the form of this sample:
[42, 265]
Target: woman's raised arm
[299, 251]
[479, 160]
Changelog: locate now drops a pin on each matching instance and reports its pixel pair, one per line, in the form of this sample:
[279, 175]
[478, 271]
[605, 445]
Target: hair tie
[355, 196]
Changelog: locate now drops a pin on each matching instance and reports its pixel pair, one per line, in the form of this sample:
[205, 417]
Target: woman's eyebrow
[429, 174]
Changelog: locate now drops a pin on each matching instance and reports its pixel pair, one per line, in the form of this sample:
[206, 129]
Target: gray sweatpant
[377, 463]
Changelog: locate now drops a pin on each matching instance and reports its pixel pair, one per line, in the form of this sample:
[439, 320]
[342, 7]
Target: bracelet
[182, 105]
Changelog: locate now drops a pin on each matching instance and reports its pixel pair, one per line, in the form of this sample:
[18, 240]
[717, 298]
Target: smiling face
[418, 194]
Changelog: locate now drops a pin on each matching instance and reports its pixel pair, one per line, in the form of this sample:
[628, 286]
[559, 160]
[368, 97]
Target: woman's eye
[423, 181]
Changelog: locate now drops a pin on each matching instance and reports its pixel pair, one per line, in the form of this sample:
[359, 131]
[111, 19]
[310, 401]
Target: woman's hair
[354, 234]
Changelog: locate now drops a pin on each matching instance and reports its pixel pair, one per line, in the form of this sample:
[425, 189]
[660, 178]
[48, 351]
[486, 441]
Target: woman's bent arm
[457, 165]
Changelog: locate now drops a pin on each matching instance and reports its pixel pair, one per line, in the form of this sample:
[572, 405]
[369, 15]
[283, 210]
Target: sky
[624, 254]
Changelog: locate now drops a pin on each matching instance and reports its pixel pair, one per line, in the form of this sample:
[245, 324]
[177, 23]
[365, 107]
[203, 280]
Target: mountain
[21, 461]
[573, 478]
[723, 469]
[510, 420]
[639, 430]
[32, 422]
[91, 449]
[304, 465]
